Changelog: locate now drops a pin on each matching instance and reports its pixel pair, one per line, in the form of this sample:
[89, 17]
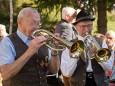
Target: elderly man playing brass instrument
[87, 69]
[24, 61]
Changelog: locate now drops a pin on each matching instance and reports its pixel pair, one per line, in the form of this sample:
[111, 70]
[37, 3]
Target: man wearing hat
[84, 71]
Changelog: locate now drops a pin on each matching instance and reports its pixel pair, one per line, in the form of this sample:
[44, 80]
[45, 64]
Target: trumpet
[76, 48]
[102, 54]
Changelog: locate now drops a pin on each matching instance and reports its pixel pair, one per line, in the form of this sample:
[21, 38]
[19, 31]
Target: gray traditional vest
[34, 72]
[79, 76]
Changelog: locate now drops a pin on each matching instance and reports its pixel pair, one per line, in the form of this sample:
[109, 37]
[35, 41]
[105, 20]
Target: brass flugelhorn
[102, 54]
[76, 48]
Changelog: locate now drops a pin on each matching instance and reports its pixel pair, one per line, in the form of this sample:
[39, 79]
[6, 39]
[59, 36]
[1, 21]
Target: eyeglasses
[34, 23]
[109, 38]
[84, 26]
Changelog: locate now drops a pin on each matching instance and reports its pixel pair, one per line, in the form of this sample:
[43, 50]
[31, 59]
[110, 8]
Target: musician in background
[84, 71]
[110, 36]
[24, 60]
[66, 29]
[65, 26]
[3, 32]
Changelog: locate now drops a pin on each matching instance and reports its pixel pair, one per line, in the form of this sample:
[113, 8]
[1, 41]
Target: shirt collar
[22, 36]
[80, 37]
[113, 48]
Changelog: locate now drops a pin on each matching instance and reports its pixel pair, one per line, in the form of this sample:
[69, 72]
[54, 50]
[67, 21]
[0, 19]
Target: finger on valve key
[56, 41]
[41, 39]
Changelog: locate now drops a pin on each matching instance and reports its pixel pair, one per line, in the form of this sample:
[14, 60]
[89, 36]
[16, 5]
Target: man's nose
[87, 30]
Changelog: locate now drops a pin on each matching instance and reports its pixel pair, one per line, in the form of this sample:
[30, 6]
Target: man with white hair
[65, 27]
[24, 60]
[3, 32]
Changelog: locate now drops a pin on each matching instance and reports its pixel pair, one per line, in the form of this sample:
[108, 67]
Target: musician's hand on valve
[36, 43]
[56, 42]
[93, 51]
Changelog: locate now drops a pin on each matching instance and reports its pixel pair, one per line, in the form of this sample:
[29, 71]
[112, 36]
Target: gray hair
[25, 12]
[3, 27]
[111, 32]
[67, 11]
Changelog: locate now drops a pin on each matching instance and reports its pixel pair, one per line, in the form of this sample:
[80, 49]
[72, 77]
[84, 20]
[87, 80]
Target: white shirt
[68, 64]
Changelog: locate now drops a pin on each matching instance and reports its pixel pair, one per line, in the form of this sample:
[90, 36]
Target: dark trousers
[90, 81]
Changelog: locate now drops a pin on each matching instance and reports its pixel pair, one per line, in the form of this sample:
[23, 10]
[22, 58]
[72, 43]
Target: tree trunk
[102, 17]
[11, 17]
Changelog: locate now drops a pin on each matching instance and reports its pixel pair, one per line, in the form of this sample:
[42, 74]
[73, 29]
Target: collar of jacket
[64, 20]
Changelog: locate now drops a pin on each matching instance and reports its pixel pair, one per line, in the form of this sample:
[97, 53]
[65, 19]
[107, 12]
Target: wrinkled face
[84, 27]
[110, 40]
[30, 23]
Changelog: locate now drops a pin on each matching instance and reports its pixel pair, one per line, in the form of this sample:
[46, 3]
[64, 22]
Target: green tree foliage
[50, 9]
[101, 6]
[46, 7]
[109, 4]
[5, 13]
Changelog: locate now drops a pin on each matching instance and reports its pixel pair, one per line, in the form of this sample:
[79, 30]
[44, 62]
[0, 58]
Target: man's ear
[66, 16]
[19, 20]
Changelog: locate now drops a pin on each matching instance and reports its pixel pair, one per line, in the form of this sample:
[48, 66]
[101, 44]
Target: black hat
[83, 16]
